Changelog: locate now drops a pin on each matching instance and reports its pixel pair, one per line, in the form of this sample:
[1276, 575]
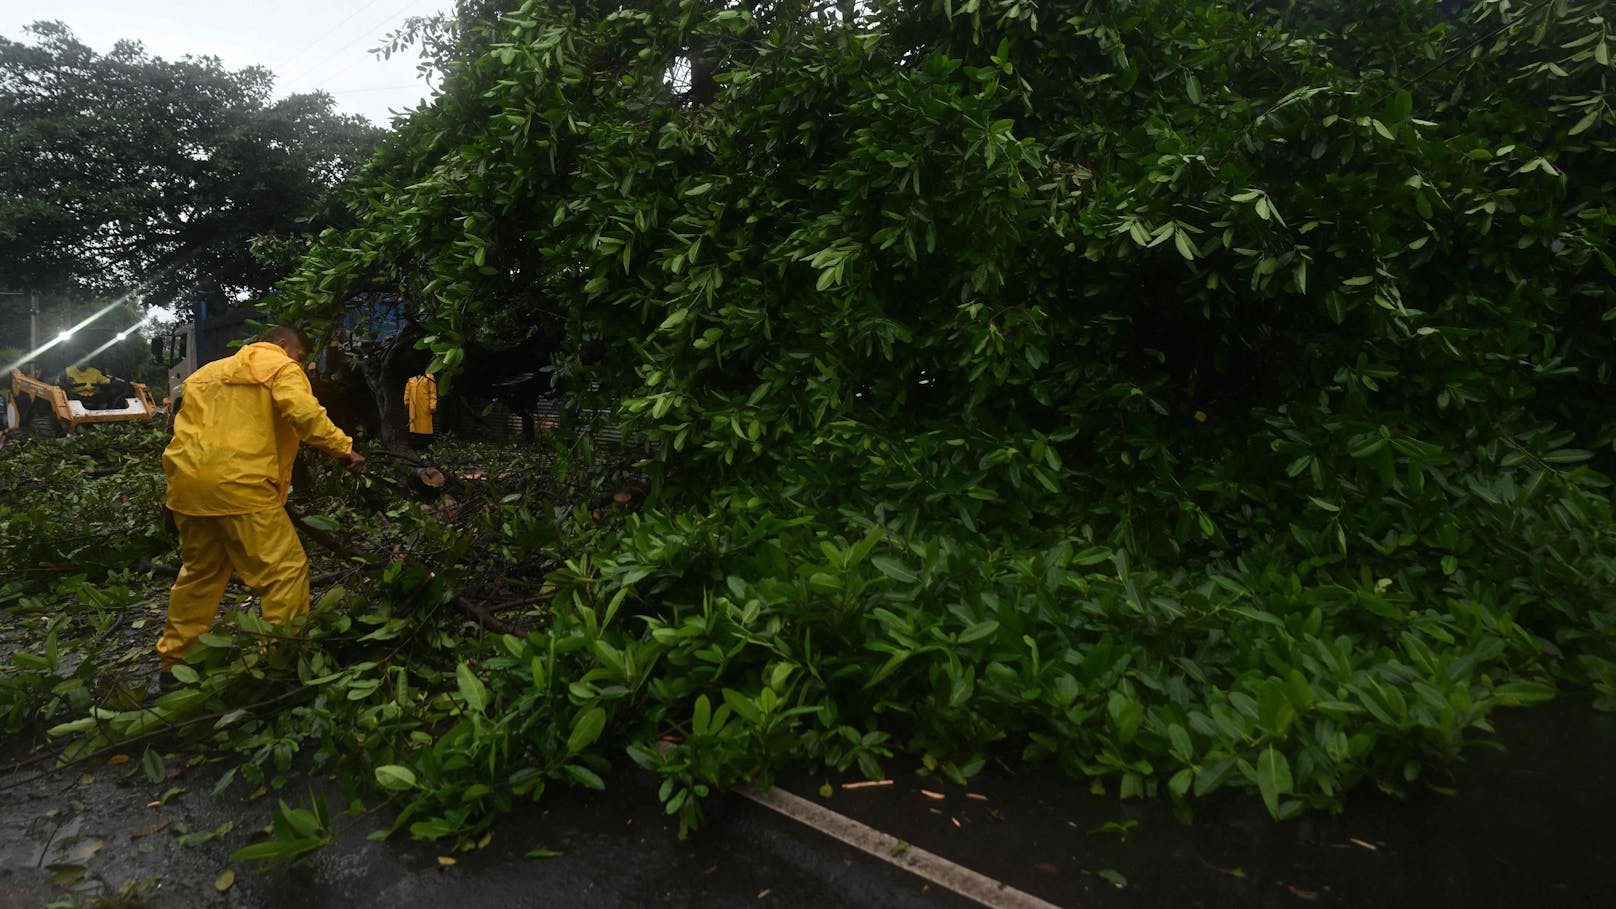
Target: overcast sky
[308, 44]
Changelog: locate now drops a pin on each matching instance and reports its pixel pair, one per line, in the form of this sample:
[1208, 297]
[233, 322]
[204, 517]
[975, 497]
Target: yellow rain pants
[261, 547]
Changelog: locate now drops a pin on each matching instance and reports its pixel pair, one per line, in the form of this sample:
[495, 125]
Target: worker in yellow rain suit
[87, 381]
[421, 400]
[229, 470]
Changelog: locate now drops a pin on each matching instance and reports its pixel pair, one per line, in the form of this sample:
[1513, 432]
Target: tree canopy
[1198, 394]
[127, 172]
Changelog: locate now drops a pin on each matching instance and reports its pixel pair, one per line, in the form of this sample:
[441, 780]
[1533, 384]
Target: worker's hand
[354, 463]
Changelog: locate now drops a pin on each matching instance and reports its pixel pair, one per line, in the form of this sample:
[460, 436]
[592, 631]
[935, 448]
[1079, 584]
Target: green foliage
[126, 172]
[80, 521]
[1196, 396]
[297, 831]
[1191, 394]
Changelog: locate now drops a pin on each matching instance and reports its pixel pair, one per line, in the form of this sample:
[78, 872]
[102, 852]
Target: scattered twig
[480, 615]
[341, 547]
[400, 456]
[142, 737]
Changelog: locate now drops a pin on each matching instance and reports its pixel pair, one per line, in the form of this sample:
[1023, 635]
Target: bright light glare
[66, 335]
[62, 338]
[97, 352]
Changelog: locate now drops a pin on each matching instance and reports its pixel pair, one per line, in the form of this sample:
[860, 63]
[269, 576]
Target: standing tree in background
[127, 173]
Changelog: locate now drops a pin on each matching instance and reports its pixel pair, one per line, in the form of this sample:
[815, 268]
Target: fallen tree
[1193, 395]
[1197, 396]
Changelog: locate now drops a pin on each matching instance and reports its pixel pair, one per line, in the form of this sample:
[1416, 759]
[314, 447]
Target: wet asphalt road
[616, 849]
[1527, 827]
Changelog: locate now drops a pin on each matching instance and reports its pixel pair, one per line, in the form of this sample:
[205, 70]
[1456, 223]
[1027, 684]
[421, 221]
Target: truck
[208, 336]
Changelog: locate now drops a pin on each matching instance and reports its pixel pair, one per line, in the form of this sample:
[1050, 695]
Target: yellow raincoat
[229, 471]
[237, 433]
[421, 399]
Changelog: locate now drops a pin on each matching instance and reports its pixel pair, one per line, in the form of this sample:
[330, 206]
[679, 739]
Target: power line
[1488, 36]
[380, 88]
[365, 36]
[328, 33]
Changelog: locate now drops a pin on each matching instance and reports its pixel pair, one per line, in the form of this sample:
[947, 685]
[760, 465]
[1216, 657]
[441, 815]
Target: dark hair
[289, 333]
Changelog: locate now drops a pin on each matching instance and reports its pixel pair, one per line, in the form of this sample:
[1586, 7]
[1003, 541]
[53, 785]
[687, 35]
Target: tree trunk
[385, 376]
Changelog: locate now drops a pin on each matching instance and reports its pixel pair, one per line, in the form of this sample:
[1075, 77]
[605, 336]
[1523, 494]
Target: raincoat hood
[256, 364]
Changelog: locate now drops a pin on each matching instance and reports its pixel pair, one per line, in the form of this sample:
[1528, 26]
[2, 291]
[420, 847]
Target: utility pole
[33, 321]
[33, 329]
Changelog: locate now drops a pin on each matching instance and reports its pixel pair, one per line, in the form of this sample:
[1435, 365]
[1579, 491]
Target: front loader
[48, 410]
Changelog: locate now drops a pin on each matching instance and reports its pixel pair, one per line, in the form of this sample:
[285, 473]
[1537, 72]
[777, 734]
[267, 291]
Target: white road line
[933, 868]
